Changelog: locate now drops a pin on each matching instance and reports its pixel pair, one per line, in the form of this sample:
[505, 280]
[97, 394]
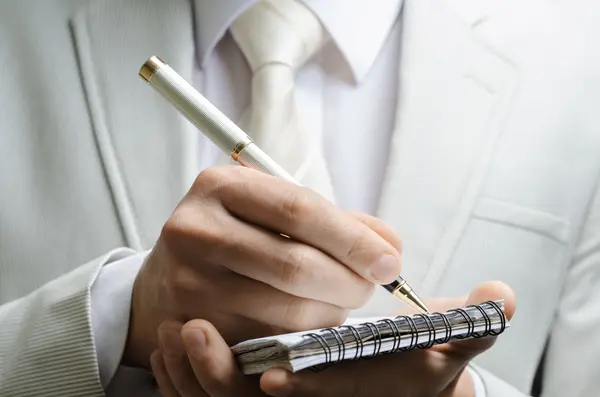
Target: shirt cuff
[478, 385]
[110, 308]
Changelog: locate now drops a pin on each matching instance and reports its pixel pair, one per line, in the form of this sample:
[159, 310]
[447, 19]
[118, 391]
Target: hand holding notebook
[427, 371]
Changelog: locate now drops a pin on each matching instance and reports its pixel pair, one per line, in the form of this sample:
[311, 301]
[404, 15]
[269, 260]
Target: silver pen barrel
[207, 118]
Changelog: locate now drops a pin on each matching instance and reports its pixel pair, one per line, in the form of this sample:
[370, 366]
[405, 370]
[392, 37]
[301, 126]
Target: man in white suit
[478, 144]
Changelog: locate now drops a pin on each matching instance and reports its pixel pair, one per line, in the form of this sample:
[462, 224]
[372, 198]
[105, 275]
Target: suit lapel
[454, 92]
[141, 139]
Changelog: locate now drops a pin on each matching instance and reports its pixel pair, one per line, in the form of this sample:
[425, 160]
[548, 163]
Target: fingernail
[195, 341]
[386, 270]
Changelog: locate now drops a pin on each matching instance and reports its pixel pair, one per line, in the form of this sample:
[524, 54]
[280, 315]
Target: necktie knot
[277, 32]
[277, 37]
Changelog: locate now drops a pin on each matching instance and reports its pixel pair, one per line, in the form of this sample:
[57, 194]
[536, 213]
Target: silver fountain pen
[233, 141]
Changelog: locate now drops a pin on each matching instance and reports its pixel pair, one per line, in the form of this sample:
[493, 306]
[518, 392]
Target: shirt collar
[359, 28]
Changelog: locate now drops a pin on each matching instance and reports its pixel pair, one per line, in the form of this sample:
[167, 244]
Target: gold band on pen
[150, 67]
[240, 148]
[402, 288]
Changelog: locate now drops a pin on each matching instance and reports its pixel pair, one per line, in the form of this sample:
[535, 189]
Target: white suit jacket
[493, 174]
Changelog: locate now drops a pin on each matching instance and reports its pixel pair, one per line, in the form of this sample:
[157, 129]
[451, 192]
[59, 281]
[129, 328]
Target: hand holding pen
[236, 143]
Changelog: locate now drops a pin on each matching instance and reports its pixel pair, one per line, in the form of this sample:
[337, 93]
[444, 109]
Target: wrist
[139, 343]
[147, 311]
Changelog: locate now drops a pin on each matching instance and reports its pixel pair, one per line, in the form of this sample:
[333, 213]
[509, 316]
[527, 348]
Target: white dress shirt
[348, 91]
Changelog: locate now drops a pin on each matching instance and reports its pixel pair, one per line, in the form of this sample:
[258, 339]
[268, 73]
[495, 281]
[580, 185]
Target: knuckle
[292, 269]
[173, 229]
[192, 226]
[298, 315]
[211, 179]
[223, 184]
[208, 177]
[295, 205]
[355, 247]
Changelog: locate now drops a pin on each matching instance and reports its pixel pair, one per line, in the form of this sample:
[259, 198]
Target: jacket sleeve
[46, 342]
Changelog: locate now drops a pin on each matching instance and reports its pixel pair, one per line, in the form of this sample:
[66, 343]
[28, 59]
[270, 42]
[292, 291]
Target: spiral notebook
[366, 338]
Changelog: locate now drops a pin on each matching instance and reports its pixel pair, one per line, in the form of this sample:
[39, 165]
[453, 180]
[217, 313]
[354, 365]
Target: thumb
[466, 350]
[213, 362]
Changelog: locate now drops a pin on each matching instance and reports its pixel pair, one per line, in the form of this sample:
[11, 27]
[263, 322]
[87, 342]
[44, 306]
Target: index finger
[305, 216]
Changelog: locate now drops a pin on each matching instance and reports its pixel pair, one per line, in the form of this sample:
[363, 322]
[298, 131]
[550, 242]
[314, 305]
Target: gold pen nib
[401, 290]
[412, 299]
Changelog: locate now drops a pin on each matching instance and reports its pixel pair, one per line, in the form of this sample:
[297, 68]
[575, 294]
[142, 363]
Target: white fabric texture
[478, 182]
[115, 282]
[346, 92]
[57, 313]
[478, 386]
[277, 37]
[110, 309]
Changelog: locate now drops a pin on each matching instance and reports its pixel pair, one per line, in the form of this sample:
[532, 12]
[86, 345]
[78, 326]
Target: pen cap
[208, 119]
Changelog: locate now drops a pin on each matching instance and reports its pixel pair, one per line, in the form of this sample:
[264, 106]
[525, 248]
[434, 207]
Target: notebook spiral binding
[435, 336]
